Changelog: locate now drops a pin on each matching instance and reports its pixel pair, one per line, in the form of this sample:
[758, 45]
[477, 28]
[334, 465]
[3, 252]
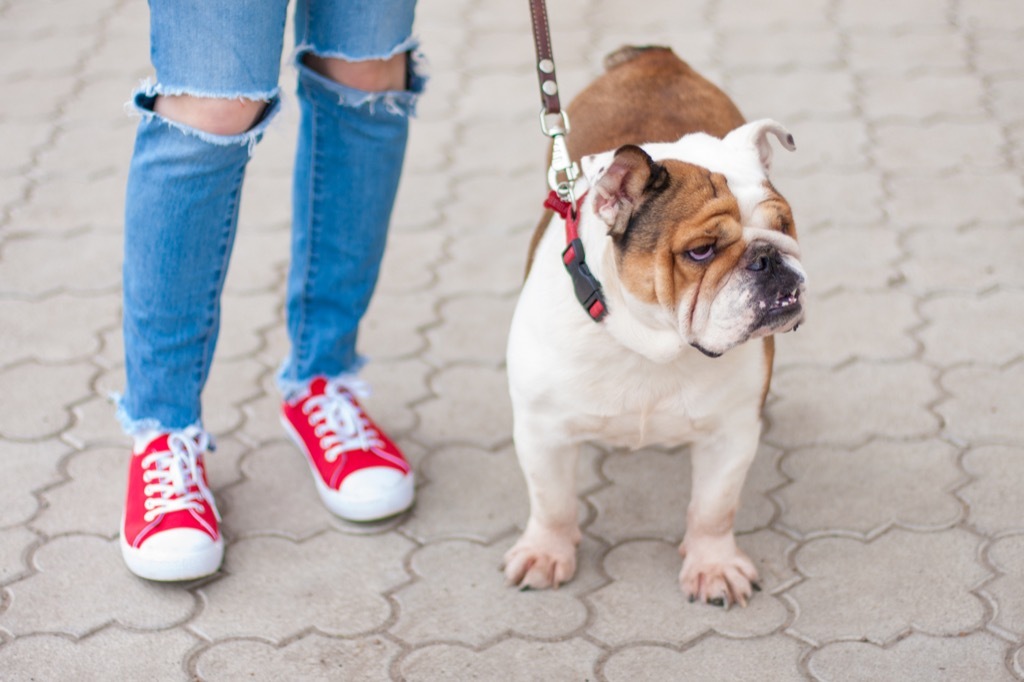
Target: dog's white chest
[649, 404]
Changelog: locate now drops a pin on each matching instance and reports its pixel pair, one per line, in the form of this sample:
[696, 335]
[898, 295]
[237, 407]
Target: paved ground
[885, 510]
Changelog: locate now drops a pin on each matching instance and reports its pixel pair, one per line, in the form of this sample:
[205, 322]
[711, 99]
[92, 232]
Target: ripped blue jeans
[184, 185]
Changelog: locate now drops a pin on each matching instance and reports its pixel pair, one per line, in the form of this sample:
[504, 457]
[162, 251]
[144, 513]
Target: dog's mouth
[783, 313]
[785, 303]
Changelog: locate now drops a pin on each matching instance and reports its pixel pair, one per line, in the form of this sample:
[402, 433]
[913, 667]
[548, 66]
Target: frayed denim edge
[396, 102]
[134, 427]
[148, 89]
[290, 388]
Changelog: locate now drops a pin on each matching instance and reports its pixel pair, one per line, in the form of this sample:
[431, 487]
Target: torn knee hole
[371, 75]
[212, 115]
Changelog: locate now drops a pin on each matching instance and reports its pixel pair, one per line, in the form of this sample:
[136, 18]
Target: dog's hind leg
[545, 554]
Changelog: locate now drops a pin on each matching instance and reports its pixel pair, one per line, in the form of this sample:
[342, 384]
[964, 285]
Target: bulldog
[694, 265]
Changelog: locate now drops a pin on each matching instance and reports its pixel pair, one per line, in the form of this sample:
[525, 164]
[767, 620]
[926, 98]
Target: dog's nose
[766, 259]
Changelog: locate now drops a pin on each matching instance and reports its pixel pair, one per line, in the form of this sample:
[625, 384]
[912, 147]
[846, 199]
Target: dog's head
[701, 239]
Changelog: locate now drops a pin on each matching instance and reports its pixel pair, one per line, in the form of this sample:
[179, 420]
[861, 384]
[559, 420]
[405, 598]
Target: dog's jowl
[698, 264]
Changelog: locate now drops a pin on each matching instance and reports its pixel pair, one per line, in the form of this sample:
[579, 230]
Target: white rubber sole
[390, 502]
[172, 566]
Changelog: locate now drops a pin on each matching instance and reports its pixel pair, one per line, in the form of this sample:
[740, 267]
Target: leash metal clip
[561, 162]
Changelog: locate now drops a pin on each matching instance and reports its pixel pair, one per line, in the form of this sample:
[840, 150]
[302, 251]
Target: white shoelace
[177, 482]
[339, 424]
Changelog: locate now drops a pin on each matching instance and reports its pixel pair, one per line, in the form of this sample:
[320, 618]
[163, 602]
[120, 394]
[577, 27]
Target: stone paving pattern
[885, 509]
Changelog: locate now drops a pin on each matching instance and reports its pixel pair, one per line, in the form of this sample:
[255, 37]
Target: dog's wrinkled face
[718, 256]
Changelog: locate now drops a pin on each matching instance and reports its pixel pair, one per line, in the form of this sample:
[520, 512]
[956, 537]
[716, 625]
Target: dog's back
[683, 102]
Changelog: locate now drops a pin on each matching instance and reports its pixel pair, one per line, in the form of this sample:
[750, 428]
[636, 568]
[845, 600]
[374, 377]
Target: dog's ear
[754, 136]
[621, 186]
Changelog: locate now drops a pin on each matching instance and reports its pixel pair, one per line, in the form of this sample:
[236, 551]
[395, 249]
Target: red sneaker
[359, 472]
[169, 527]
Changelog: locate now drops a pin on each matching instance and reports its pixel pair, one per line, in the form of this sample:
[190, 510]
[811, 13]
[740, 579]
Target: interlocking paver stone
[90, 500]
[569, 660]
[476, 605]
[898, 98]
[63, 598]
[397, 387]
[495, 503]
[917, 658]
[473, 329]
[32, 99]
[69, 202]
[331, 582]
[1007, 555]
[410, 261]
[251, 245]
[875, 14]
[83, 262]
[276, 496]
[20, 142]
[804, 14]
[958, 199]
[57, 329]
[993, 52]
[938, 264]
[986, 403]
[395, 335]
[879, 590]
[997, 15]
[938, 50]
[822, 198]
[992, 496]
[27, 467]
[952, 336]
[243, 318]
[851, 415]
[769, 658]
[939, 147]
[457, 416]
[231, 384]
[501, 270]
[111, 653]
[869, 488]
[831, 93]
[315, 658]
[34, 398]
[882, 512]
[14, 544]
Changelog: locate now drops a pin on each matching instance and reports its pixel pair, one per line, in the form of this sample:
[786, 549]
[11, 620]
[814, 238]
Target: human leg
[357, 88]
[215, 92]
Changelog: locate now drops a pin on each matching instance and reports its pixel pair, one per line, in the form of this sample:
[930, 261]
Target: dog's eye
[702, 253]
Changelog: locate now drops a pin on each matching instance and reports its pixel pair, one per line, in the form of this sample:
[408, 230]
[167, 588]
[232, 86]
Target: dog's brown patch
[693, 209]
[775, 213]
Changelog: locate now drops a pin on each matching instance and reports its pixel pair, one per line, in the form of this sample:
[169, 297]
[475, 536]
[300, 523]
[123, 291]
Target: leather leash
[562, 174]
[554, 122]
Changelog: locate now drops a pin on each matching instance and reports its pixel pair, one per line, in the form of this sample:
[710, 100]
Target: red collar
[587, 288]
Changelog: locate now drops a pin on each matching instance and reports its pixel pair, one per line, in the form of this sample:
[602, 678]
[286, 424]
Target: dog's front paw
[541, 559]
[716, 571]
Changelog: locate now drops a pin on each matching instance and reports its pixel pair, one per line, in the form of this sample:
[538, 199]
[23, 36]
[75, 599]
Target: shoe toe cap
[372, 483]
[179, 541]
